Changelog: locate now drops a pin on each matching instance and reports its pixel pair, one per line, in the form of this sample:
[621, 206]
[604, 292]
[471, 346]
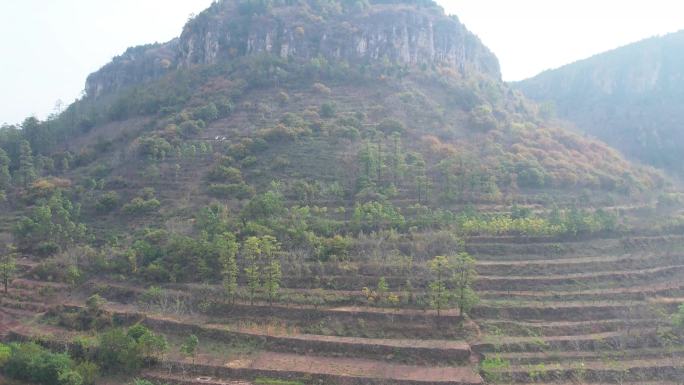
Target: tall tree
[464, 278]
[439, 293]
[5, 177]
[272, 270]
[190, 347]
[228, 248]
[252, 252]
[26, 172]
[8, 267]
[397, 158]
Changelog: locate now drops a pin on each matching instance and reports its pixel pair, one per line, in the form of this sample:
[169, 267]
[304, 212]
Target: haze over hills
[632, 98]
[330, 191]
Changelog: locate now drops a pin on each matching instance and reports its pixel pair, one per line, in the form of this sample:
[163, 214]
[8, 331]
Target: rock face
[136, 65]
[632, 98]
[402, 34]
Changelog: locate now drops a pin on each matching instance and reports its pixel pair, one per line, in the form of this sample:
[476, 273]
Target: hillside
[631, 98]
[329, 192]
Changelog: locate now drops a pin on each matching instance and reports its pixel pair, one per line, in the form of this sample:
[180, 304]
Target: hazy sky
[50, 46]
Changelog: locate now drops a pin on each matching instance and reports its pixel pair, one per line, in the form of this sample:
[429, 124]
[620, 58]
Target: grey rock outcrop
[401, 34]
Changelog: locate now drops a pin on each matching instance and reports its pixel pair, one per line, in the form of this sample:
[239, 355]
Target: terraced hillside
[329, 192]
[589, 311]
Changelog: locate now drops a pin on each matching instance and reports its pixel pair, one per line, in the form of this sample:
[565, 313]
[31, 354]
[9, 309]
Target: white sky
[50, 46]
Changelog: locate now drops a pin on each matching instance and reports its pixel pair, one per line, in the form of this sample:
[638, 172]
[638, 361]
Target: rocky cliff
[399, 33]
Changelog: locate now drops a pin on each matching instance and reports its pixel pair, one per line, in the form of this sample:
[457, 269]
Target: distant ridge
[631, 97]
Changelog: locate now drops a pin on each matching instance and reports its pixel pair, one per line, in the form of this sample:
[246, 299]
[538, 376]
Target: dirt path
[579, 276]
[445, 345]
[669, 285]
[362, 368]
[170, 378]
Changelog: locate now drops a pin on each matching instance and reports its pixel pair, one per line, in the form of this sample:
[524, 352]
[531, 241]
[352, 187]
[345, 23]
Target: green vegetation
[493, 369]
[31, 362]
[228, 249]
[252, 251]
[451, 282]
[126, 351]
[678, 318]
[116, 351]
[275, 381]
[464, 278]
[190, 347]
[52, 226]
[295, 181]
[8, 268]
[439, 294]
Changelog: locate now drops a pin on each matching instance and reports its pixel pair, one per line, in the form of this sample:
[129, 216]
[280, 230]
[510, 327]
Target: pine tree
[227, 253]
[272, 270]
[190, 347]
[5, 177]
[397, 158]
[252, 253]
[439, 293]
[8, 267]
[382, 290]
[464, 277]
[26, 172]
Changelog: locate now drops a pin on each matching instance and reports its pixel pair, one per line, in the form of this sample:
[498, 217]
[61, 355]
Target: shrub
[282, 132]
[482, 118]
[234, 190]
[321, 89]
[494, 369]
[389, 126]
[139, 206]
[31, 362]
[118, 352]
[678, 318]
[154, 148]
[337, 247]
[5, 353]
[222, 173]
[207, 113]
[107, 202]
[191, 127]
[328, 110]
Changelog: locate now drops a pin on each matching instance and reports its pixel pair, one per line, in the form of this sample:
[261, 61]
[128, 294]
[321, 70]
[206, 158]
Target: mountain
[351, 32]
[300, 192]
[632, 98]
[328, 103]
[314, 84]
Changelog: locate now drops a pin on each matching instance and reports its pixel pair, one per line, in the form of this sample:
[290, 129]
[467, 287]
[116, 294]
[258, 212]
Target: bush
[222, 173]
[678, 318]
[321, 89]
[389, 126]
[192, 127]
[328, 110]
[5, 353]
[154, 148]
[118, 352]
[107, 202]
[207, 113]
[337, 247]
[33, 363]
[88, 371]
[139, 206]
[494, 369]
[233, 190]
[483, 119]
